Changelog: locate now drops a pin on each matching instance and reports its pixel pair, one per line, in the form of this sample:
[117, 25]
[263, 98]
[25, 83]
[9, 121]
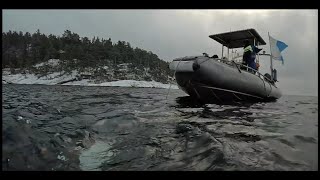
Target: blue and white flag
[276, 47]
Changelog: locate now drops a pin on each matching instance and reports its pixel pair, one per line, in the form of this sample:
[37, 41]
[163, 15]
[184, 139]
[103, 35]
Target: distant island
[74, 60]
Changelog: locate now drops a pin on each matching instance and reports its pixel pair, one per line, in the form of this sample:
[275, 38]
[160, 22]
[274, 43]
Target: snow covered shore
[72, 79]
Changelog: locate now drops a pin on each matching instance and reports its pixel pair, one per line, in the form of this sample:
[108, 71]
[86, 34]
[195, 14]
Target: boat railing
[247, 68]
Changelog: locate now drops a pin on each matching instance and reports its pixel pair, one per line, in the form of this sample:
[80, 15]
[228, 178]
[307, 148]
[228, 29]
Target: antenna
[271, 67]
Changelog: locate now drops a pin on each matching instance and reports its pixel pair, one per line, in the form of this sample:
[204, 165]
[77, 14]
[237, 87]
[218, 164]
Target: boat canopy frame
[236, 39]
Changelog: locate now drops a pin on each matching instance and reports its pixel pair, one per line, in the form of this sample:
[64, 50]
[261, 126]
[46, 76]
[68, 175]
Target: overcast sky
[176, 33]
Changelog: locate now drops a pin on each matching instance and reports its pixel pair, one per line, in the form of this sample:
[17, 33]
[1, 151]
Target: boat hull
[211, 80]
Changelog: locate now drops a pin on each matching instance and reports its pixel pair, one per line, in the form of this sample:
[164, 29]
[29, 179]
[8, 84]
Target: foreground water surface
[117, 128]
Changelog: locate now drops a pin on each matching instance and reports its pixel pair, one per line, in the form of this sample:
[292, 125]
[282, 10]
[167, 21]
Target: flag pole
[271, 67]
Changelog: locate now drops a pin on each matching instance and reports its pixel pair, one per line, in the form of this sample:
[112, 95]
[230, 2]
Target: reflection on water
[92, 158]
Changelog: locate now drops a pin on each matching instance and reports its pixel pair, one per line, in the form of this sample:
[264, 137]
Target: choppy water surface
[115, 128]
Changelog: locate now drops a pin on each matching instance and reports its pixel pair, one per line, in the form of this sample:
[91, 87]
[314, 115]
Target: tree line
[24, 50]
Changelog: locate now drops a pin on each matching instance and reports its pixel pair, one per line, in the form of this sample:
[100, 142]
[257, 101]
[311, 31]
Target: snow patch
[50, 62]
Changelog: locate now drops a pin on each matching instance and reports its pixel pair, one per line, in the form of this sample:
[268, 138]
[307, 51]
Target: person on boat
[249, 56]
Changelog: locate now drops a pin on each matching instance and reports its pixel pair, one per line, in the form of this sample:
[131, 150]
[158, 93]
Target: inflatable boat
[226, 79]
